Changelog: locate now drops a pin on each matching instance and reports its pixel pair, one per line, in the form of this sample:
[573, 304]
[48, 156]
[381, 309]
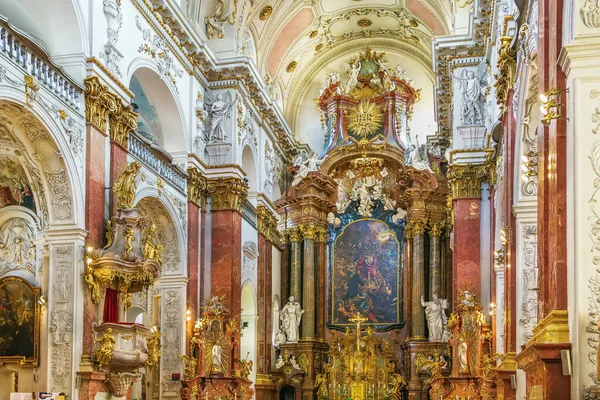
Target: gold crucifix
[358, 319]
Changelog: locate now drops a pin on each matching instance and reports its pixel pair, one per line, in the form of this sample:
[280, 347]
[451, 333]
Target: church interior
[299, 199]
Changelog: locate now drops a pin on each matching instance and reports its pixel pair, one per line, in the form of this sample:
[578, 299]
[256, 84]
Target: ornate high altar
[361, 220]
[209, 367]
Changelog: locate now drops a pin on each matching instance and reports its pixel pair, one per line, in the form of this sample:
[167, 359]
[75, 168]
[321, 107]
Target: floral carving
[17, 250]
[530, 273]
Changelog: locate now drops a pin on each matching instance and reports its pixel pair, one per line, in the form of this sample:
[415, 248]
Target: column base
[506, 370]
[264, 388]
[92, 383]
[542, 364]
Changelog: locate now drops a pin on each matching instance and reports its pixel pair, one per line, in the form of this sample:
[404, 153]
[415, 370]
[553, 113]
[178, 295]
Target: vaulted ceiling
[298, 42]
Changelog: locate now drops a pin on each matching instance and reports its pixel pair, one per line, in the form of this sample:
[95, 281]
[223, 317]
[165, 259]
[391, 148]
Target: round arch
[161, 118]
[249, 167]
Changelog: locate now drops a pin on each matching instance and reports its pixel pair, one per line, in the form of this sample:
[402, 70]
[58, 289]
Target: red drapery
[111, 308]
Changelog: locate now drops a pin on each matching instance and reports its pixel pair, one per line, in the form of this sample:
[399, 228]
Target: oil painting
[19, 321]
[15, 189]
[365, 273]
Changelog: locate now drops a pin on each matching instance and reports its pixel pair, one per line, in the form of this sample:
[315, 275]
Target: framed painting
[365, 274]
[19, 321]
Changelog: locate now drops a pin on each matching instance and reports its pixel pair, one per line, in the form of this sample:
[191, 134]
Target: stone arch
[249, 166]
[57, 25]
[160, 114]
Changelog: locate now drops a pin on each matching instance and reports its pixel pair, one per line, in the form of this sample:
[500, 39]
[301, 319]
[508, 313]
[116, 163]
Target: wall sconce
[42, 301]
[493, 309]
[529, 166]
[188, 315]
[550, 107]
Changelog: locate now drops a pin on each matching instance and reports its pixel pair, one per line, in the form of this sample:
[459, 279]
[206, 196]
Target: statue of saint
[471, 90]
[436, 317]
[218, 112]
[290, 316]
[462, 356]
[353, 71]
[125, 186]
[279, 338]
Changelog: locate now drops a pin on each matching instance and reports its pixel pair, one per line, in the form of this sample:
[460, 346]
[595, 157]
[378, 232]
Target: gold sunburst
[365, 119]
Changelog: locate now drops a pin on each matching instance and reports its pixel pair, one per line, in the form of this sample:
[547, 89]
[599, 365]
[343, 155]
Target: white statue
[331, 79]
[333, 220]
[436, 317]
[365, 205]
[279, 338]
[386, 75]
[462, 356]
[400, 214]
[400, 71]
[218, 112]
[353, 71]
[280, 362]
[294, 362]
[471, 90]
[413, 156]
[216, 358]
[216, 22]
[290, 316]
[311, 164]
[114, 20]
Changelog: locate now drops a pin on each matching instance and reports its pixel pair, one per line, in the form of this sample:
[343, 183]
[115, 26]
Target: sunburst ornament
[365, 119]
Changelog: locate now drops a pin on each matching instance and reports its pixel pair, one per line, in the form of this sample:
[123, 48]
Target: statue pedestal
[473, 135]
[92, 383]
[264, 387]
[413, 350]
[218, 153]
[310, 355]
[215, 387]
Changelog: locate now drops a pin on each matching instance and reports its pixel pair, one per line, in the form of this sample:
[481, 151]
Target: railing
[160, 165]
[26, 56]
[249, 213]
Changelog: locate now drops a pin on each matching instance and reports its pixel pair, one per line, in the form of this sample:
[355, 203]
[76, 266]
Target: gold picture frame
[20, 314]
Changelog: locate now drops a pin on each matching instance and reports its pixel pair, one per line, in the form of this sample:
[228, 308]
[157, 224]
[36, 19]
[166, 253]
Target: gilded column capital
[466, 179]
[227, 193]
[309, 231]
[436, 228]
[197, 187]
[322, 235]
[267, 225]
[415, 227]
[99, 102]
[122, 122]
[507, 66]
[294, 234]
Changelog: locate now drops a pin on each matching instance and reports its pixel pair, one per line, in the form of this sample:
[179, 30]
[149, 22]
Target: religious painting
[19, 321]
[365, 273]
[15, 189]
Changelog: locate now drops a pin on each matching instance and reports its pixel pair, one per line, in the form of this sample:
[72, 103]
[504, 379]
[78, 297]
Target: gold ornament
[364, 22]
[265, 13]
[291, 67]
[99, 102]
[153, 345]
[126, 185]
[104, 353]
[365, 119]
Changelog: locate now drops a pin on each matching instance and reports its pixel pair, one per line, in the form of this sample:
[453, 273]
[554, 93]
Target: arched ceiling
[297, 42]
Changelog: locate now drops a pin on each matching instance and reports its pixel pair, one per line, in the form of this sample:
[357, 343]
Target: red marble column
[94, 213]
[466, 273]
[193, 271]
[263, 303]
[552, 168]
[285, 274]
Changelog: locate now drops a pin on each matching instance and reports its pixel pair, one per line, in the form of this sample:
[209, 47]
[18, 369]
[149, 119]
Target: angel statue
[125, 186]
[414, 156]
[218, 111]
[216, 22]
[471, 110]
[311, 164]
[353, 71]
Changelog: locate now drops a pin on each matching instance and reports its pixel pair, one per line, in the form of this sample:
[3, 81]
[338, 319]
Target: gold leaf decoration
[265, 13]
[291, 66]
[365, 119]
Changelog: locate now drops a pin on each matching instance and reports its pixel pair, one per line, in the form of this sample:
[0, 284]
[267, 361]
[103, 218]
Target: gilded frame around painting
[20, 314]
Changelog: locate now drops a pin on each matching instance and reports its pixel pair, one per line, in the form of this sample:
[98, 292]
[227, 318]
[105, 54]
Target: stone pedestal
[506, 370]
[92, 383]
[265, 389]
[218, 153]
[543, 366]
[473, 135]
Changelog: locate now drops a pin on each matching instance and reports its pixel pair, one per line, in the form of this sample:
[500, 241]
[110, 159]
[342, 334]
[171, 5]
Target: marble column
[296, 265]
[308, 283]
[321, 260]
[418, 280]
[408, 277]
[435, 267]
[227, 196]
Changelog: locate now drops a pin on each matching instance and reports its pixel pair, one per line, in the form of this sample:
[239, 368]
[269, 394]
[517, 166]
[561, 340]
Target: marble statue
[291, 314]
[218, 112]
[332, 79]
[279, 338]
[280, 362]
[333, 220]
[471, 90]
[365, 202]
[462, 356]
[436, 317]
[400, 214]
[400, 71]
[353, 71]
[216, 22]
[413, 156]
[309, 165]
[216, 358]
[294, 362]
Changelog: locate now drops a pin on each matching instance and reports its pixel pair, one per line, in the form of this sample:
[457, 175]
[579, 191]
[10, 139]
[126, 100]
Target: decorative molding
[267, 225]
[590, 14]
[466, 179]
[530, 280]
[594, 283]
[99, 102]
[506, 66]
[172, 322]
[197, 187]
[17, 246]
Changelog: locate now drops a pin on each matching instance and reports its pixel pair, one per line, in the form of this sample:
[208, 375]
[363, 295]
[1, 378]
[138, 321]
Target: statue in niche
[290, 316]
[311, 164]
[436, 317]
[462, 356]
[218, 112]
[471, 110]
